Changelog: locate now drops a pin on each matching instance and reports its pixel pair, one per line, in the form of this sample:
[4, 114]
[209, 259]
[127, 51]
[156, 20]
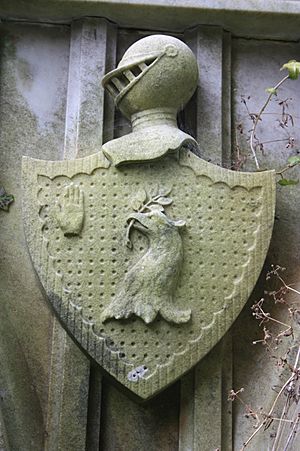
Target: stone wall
[51, 396]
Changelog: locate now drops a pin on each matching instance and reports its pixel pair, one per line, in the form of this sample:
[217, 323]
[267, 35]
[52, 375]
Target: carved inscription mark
[148, 287]
[137, 373]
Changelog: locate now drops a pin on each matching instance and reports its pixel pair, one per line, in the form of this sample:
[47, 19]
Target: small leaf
[141, 195]
[135, 204]
[295, 159]
[165, 191]
[5, 199]
[153, 190]
[271, 91]
[179, 223]
[293, 68]
[286, 182]
[156, 207]
[138, 200]
[164, 201]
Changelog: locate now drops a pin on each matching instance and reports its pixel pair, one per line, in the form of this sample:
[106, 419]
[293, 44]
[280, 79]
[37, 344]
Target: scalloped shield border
[71, 313]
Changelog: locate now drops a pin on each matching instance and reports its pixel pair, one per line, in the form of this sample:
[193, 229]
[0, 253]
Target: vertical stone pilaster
[68, 394]
[205, 417]
[74, 401]
[92, 51]
[211, 45]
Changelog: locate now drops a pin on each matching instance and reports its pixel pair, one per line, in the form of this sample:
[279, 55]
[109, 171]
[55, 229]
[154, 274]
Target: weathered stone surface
[253, 369]
[34, 61]
[259, 18]
[92, 52]
[148, 426]
[153, 81]
[3, 447]
[70, 267]
[62, 216]
[209, 115]
[268, 57]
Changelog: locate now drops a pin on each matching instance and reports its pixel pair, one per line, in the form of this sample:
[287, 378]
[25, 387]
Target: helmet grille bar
[112, 89]
[136, 71]
[118, 83]
[142, 66]
[129, 75]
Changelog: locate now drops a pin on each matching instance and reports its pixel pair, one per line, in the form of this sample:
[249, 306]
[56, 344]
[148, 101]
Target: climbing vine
[280, 338]
[281, 341]
[285, 119]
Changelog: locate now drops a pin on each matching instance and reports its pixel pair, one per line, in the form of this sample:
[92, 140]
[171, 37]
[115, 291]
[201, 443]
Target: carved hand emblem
[70, 212]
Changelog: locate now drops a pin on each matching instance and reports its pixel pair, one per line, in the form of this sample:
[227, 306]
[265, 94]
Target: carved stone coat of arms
[146, 252]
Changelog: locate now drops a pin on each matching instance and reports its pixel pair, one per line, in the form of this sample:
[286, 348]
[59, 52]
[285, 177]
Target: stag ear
[179, 223]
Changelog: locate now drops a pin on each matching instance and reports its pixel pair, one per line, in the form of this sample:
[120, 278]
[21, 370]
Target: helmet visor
[119, 81]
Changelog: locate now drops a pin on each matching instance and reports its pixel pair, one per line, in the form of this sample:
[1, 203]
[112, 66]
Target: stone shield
[146, 265]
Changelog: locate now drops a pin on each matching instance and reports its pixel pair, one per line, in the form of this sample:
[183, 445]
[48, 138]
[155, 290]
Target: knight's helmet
[155, 78]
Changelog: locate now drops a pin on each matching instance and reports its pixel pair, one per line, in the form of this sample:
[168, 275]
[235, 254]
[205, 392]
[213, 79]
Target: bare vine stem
[289, 391]
[258, 118]
[292, 433]
[268, 415]
[288, 287]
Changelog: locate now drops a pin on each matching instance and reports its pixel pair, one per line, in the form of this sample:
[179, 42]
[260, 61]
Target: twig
[258, 118]
[143, 208]
[157, 199]
[286, 406]
[288, 287]
[293, 431]
[268, 416]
